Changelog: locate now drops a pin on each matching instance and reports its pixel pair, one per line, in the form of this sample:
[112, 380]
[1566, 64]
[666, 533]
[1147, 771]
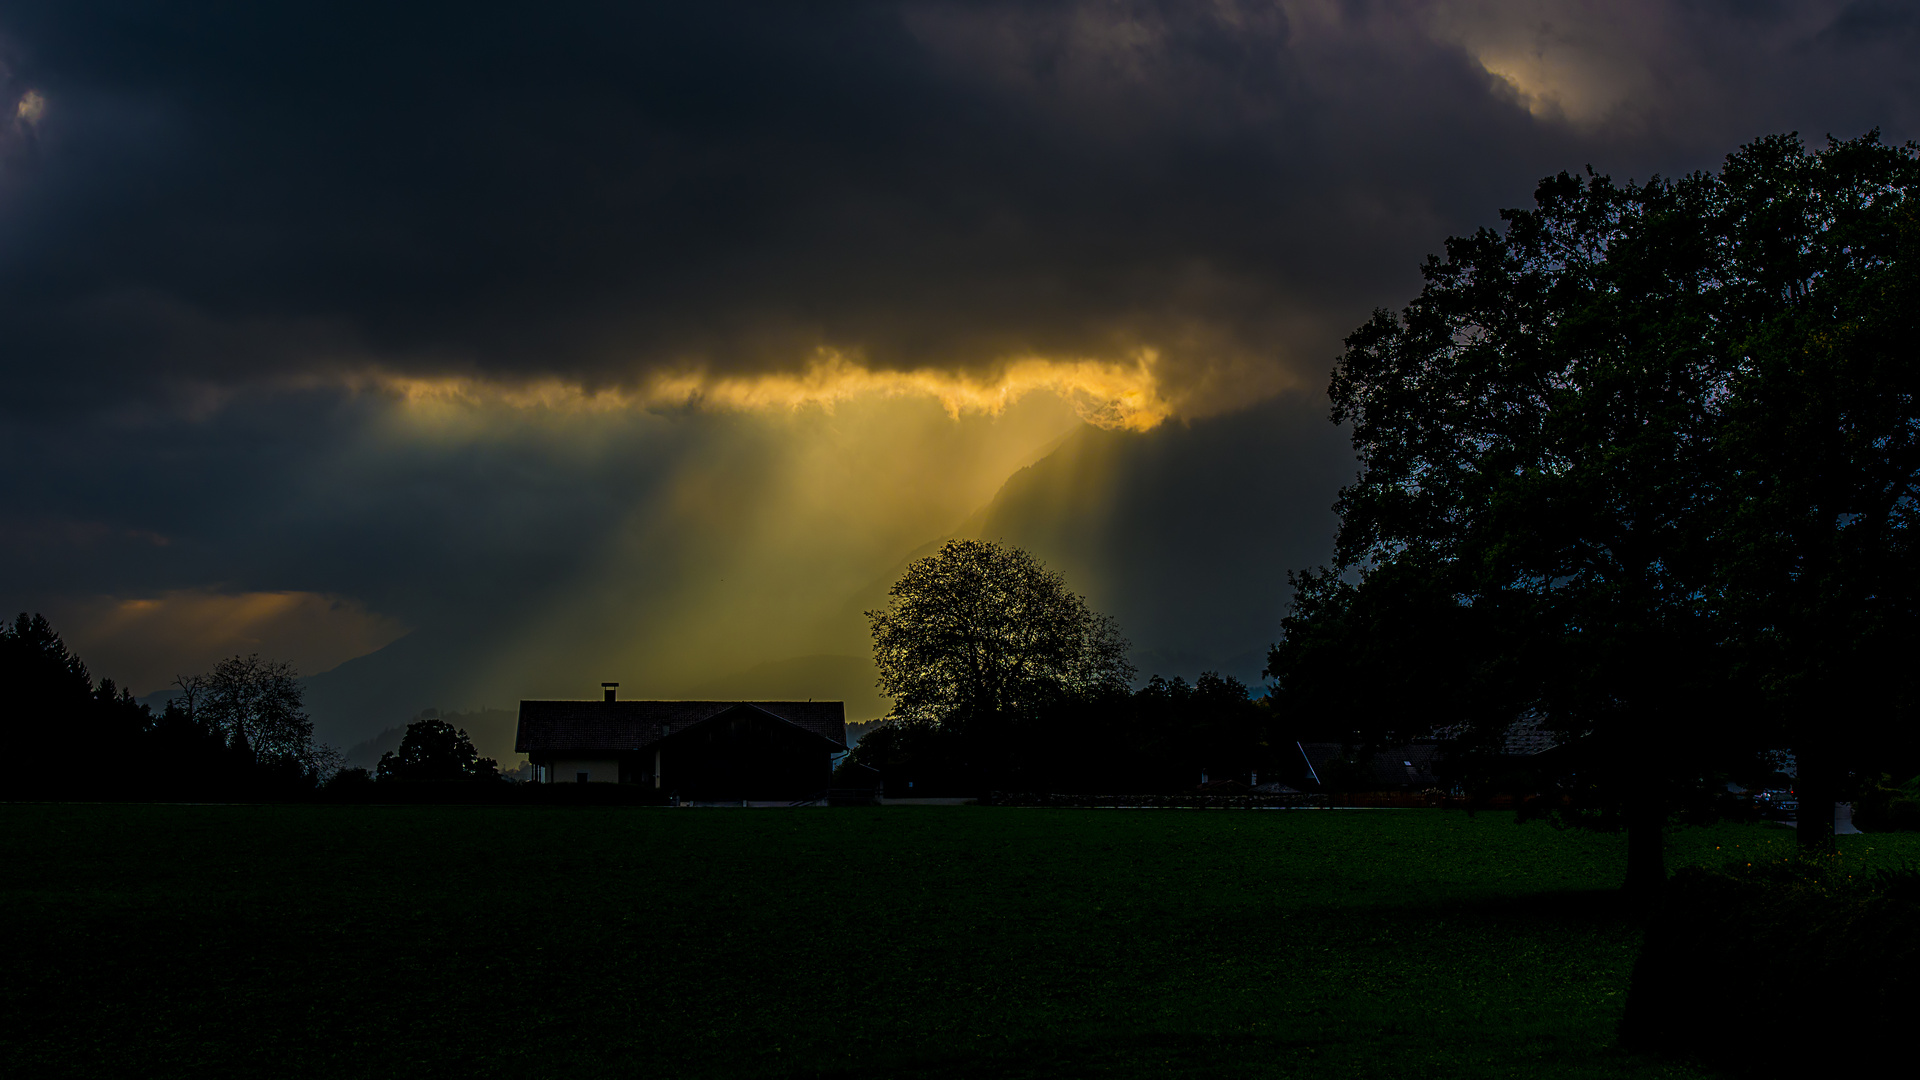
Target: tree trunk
[1646, 841]
[1813, 789]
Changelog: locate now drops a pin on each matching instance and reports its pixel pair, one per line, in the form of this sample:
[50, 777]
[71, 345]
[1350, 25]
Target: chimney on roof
[608, 688]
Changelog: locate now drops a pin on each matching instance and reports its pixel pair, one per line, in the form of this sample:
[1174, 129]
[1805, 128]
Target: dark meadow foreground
[373, 941]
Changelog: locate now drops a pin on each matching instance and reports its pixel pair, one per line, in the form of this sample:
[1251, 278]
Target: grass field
[950, 942]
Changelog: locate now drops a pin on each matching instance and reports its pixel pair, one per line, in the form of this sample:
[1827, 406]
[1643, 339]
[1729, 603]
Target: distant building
[1526, 749]
[704, 751]
[1408, 766]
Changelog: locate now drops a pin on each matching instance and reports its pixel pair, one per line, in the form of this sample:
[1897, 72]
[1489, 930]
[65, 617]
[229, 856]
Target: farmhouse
[698, 750]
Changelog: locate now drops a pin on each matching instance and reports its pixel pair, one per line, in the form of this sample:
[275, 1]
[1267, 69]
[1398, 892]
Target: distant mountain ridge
[1185, 534]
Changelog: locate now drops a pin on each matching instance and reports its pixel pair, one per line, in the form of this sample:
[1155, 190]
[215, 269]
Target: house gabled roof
[615, 726]
[1525, 737]
[725, 725]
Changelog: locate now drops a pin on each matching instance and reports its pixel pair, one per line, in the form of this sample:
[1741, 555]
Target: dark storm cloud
[218, 192]
[217, 220]
[304, 493]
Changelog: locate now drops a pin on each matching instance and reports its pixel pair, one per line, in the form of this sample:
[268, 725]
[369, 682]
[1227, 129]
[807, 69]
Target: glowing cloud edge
[1115, 395]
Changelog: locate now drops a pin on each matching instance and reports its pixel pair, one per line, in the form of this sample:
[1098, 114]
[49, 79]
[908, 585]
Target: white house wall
[598, 770]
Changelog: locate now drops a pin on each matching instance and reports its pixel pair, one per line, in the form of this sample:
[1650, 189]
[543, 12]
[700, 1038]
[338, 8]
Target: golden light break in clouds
[31, 107]
[1113, 395]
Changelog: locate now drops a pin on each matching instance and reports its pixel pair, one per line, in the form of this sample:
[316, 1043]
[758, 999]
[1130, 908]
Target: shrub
[1885, 808]
[1780, 960]
[435, 751]
[349, 779]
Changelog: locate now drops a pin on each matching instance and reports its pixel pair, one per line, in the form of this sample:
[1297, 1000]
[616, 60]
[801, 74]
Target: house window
[579, 778]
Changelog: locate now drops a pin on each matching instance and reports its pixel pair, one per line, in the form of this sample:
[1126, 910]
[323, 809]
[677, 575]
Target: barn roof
[548, 726]
[1525, 737]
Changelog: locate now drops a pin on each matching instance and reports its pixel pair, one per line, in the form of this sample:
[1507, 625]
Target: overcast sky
[564, 341]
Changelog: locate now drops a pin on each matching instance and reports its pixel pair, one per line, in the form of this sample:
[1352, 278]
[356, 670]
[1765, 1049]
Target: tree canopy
[1585, 448]
[977, 632]
[981, 647]
[433, 749]
[259, 705]
[201, 746]
[1822, 447]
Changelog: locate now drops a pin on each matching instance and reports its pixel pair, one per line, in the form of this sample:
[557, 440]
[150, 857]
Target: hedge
[1794, 960]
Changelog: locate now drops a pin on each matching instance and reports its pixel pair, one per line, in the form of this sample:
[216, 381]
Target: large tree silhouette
[1547, 466]
[977, 637]
[259, 706]
[433, 749]
[1822, 452]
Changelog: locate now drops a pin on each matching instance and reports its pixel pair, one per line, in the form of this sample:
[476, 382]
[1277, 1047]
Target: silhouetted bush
[348, 790]
[851, 774]
[1779, 961]
[1884, 808]
[436, 751]
[918, 760]
[1160, 738]
[348, 780]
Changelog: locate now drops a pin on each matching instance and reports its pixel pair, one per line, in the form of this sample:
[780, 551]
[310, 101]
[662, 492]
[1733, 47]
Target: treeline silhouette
[1643, 467]
[1162, 738]
[238, 733]
[234, 734]
[1003, 678]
